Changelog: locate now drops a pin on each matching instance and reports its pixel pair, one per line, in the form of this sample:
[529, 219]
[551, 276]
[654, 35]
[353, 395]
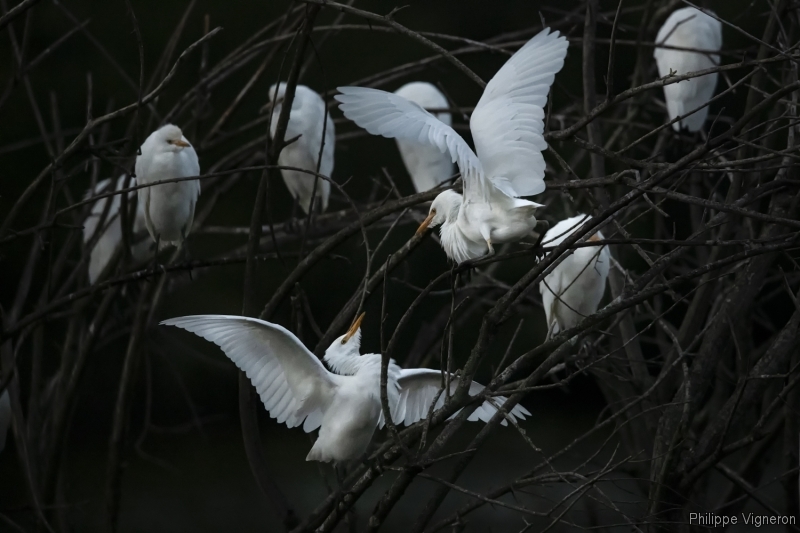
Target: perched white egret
[111, 232]
[573, 290]
[169, 207]
[5, 417]
[507, 127]
[308, 118]
[427, 165]
[688, 27]
[344, 404]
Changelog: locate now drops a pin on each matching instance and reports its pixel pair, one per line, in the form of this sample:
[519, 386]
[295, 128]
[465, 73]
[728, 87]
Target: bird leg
[185, 250]
[155, 252]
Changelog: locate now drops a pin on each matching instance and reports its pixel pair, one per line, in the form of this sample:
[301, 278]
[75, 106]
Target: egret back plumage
[574, 288]
[689, 27]
[307, 119]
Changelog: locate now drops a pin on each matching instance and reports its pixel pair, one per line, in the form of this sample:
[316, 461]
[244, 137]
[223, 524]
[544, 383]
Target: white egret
[688, 27]
[169, 207]
[111, 232]
[507, 128]
[308, 118]
[573, 290]
[5, 417]
[426, 164]
[344, 404]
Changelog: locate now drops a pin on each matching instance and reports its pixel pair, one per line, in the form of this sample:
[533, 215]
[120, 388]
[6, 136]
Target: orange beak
[427, 222]
[181, 143]
[353, 328]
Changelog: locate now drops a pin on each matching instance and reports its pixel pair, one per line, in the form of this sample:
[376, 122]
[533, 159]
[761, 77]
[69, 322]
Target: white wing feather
[508, 122]
[389, 115]
[418, 388]
[292, 383]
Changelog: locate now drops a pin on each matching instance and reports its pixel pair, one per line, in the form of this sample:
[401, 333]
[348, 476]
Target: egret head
[444, 209]
[350, 342]
[169, 138]
[276, 91]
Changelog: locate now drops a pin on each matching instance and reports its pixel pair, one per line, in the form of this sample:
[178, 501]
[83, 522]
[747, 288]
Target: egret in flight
[5, 417]
[169, 207]
[308, 118]
[426, 164]
[111, 231]
[574, 288]
[689, 27]
[507, 127]
[343, 403]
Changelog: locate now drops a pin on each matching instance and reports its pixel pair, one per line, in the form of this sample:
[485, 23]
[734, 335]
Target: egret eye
[344, 341]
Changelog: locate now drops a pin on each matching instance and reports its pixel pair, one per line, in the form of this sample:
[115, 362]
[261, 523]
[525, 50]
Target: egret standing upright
[309, 118]
[688, 28]
[110, 234]
[169, 207]
[573, 289]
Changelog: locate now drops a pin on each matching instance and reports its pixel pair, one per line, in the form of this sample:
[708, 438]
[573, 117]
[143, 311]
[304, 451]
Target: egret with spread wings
[508, 130]
[344, 404]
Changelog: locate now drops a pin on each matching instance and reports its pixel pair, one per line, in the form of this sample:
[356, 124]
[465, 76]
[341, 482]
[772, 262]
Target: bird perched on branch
[5, 417]
[507, 127]
[574, 288]
[109, 226]
[169, 207]
[688, 27]
[309, 119]
[427, 165]
[344, 404]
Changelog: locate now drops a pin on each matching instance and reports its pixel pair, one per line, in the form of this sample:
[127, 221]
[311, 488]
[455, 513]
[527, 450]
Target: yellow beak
[353, 328]
[427, 222]
[181, 143]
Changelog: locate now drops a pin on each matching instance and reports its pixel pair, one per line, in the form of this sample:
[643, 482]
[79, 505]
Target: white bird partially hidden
[169, 207]
[574, 288]
[508, 130]
[344, 404]
[5, 417]
[688, 27]
[308, 118]
[427, 165]
[111, 230]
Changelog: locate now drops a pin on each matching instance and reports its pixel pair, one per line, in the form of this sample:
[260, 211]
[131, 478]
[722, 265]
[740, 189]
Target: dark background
[190, 473]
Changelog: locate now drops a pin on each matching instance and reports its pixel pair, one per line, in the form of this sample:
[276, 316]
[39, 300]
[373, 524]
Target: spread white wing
[418, 388]
[292, 383]
[392, 116]
[5, 417]
[508, 122]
